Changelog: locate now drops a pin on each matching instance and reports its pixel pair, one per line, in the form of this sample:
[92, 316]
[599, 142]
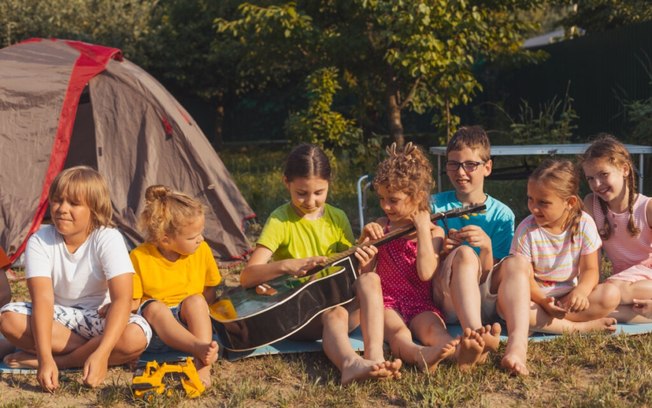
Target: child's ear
[572, 201]
[488, 166]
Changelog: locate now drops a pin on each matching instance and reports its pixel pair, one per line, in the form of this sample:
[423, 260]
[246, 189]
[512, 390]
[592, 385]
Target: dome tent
[66, 103]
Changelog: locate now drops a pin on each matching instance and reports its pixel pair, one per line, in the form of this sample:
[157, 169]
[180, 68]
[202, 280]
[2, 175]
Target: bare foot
[469, 350]
[433, 355]
[605, 324]
[515, 359]
[5, 347]
[21, 359]
[206, 353]
[491, 336]
[204, 373]
[359, 369]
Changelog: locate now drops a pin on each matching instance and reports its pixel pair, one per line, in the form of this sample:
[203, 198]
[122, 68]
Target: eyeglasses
[469, 166]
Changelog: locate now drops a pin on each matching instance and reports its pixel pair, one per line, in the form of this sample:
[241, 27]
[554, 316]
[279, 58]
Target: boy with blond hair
[478, 281]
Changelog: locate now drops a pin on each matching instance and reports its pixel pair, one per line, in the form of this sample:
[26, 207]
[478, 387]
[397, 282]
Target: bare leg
[464, 287]
[635, 301]
[16, 328]
[469, 350]
[603, 300]
[335, 340]
[369, 294]
[511, 280]
[540, 321]
[430, 329]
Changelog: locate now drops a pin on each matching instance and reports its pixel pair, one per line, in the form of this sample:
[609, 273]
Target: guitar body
[245, 320]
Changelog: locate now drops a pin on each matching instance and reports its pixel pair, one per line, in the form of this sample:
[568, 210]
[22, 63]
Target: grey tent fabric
[126, 125]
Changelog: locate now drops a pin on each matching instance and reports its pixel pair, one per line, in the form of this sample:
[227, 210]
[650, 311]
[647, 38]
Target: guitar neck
[399, 232]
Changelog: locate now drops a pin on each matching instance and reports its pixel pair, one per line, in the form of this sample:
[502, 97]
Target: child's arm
[578, 299]
[547, 303]
[5, 289]
[427, 258]
[209, 294]
[258, 270]
[121, 292]
[42, 294]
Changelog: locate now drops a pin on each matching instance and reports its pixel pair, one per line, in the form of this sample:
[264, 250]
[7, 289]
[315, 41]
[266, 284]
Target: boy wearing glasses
[477, 280]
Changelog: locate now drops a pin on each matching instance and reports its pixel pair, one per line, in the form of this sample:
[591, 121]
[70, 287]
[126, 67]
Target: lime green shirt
[289, 236]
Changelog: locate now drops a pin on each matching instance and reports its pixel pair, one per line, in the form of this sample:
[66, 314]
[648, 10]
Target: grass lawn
[572, 370]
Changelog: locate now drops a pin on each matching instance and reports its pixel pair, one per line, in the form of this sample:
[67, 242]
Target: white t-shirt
[79, 279]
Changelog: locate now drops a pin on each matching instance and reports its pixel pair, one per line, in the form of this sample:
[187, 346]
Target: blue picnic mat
[289, 346]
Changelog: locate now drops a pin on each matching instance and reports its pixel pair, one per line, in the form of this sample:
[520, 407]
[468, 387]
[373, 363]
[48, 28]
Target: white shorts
[86, 323]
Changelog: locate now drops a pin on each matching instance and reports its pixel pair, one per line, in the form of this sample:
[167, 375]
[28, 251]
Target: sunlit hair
[606, 147]
[166, 212]
[407, 170]
[83, 184]
[472, 137]
[562, 177]
[306, 161]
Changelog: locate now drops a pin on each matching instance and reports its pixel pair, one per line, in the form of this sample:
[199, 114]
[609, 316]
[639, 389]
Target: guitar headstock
[465, 212]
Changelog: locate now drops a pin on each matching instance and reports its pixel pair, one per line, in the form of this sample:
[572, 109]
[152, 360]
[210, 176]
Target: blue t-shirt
[497, 220]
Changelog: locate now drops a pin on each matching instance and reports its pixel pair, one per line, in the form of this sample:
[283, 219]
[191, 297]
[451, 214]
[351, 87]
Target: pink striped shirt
[624, 250]
[554, 257]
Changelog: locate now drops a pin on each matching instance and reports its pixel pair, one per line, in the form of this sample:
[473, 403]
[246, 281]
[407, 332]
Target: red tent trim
[91, 61]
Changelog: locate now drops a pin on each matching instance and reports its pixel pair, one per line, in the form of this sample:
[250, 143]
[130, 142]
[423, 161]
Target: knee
[134, 341]
[336, 314]
[517, 266]
[609, 296]
[368, 283]
[465, 256]
[10, 322]
[154, 309]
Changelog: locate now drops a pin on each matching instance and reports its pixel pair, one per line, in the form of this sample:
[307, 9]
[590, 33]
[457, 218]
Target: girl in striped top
[624, 220]
[562, 244]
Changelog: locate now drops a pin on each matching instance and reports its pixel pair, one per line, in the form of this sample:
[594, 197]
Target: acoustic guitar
[248, 318]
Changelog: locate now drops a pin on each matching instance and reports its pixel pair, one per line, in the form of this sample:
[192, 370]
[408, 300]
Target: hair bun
[156, 192]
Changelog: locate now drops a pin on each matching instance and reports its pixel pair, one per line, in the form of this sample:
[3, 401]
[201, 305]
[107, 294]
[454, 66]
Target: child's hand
[47, 375]
[365, 255]
[299, 267]
[553, 309]
[421, 219]
[643, 307]
[102, 311]
[475, 236]
[574, 301]
[373, 231]
[451, 242]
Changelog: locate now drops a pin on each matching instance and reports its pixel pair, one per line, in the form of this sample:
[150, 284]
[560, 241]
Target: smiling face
[308, 195]
[397, 205]
[550, 211]
[607, 181]
[72, 219]
[469, 185]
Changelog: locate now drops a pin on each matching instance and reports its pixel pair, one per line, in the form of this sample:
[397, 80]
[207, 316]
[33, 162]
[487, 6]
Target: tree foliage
[392, 55]
[602, 15]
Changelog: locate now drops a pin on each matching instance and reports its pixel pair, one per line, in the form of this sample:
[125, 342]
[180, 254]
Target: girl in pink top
[624, 220]
[406, 265]
[562, 244]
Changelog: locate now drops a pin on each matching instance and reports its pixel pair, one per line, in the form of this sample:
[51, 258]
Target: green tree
[392, 55]
[602, 15]
[124, 24]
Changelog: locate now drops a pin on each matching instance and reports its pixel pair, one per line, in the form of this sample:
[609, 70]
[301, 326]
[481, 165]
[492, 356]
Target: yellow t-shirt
[171, 282]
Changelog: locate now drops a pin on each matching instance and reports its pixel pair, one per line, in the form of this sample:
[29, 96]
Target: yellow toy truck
[165, 378]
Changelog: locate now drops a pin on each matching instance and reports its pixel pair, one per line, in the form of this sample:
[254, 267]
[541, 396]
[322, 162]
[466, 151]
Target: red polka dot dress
[403, 290]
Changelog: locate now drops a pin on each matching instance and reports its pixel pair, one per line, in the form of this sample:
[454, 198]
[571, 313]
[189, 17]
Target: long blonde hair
[562, 177]
[407, 170]
[606, 147]
[85, 185]
[166, 212]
